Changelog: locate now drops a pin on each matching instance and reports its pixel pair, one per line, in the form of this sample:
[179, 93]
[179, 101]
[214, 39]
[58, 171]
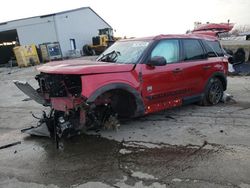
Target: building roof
[57, 13]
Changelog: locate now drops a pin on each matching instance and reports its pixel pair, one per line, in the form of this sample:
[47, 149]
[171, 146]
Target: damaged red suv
[131, 78]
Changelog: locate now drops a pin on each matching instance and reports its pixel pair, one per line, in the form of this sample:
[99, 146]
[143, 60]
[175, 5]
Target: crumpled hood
[83, 67]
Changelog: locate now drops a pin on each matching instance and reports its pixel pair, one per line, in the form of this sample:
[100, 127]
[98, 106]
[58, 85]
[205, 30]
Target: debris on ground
[40, 130]
[112, 123]
[27, 99]
[10, 145]
[227, 98]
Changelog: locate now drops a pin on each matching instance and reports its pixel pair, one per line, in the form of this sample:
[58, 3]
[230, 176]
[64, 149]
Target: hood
[83, 67]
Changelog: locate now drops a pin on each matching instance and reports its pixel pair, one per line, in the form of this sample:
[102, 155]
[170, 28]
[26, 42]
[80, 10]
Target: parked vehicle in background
[131, 78]
[213, 29]
[101, 42]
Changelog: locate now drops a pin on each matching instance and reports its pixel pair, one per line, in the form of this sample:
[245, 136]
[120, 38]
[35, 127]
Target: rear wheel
[213, 92]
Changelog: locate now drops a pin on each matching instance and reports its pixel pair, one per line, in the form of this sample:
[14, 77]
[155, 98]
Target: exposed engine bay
[57, 85]
[69, 112]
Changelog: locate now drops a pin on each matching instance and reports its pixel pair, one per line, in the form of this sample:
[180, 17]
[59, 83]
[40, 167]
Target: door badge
[149, 88]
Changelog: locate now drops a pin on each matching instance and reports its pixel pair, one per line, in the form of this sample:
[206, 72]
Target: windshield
[124, 52]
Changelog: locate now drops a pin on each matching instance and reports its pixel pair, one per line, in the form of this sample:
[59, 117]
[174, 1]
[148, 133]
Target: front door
[162, 85]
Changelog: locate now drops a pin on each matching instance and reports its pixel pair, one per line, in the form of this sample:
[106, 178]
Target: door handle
[206, 67]
[177, 70]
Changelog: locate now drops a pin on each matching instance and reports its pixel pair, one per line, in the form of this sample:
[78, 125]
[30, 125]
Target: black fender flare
[221, 76]
[140, 109]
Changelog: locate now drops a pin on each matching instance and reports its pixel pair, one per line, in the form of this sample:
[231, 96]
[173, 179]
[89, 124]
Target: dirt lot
[191, 146]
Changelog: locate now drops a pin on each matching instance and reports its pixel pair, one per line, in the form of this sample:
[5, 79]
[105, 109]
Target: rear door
[194, 64]
[216, 60]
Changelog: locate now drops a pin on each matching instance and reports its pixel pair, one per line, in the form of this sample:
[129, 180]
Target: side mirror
[157, 61]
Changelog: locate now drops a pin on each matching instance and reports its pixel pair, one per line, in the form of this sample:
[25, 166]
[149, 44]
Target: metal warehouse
[72, 29]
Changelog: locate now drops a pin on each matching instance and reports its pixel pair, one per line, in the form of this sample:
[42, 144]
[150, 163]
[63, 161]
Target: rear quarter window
[192, 49]
[213, 48]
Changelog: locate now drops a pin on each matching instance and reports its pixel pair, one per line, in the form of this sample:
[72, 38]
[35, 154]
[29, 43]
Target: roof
[57, 13]
[188, 36]
[174, 36]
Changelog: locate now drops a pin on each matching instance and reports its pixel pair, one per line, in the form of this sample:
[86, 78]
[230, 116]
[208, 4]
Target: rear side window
[213, 48]
[169, 49]
[192, 50]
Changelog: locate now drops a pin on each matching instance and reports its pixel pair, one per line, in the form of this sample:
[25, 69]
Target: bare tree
[240, 29]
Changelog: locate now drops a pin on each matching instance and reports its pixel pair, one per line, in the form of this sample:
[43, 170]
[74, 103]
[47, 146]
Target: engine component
[64, 128]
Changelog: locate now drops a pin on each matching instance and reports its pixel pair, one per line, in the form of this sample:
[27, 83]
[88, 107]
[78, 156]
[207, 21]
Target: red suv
[131, 78]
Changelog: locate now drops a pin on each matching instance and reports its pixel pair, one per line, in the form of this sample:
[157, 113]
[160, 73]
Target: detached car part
[30, 91]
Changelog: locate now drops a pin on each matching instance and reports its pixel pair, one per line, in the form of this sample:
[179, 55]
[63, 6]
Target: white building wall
[37, 34]
[80, 25]
[33, 30]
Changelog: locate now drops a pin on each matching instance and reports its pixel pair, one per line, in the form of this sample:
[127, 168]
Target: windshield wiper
[110, 57]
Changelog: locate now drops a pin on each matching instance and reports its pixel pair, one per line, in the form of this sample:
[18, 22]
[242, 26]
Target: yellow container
[44, 52]
[26, 55]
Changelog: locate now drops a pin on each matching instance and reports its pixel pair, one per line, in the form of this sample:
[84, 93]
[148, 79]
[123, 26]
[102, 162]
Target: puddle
[82, 159]
[87, 158]
[120, 184]
[15, 183]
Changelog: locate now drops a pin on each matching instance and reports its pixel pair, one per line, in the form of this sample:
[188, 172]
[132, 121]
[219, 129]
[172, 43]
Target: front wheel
[213, 92]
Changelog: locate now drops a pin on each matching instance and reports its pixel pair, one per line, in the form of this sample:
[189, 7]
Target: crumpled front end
[70, 114]
[63, 94]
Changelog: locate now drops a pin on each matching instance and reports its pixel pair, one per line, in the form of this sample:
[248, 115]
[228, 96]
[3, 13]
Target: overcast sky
[139, 17]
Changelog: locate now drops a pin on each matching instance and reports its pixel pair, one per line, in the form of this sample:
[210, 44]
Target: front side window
[169, 49]
[192, 50]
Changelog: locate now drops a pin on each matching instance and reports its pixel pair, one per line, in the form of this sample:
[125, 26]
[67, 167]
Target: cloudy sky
[139, 17]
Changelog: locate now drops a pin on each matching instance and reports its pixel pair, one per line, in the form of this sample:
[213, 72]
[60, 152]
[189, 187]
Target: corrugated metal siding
[80, 25]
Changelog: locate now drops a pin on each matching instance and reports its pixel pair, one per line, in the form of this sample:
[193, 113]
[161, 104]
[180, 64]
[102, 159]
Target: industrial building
[72, 29]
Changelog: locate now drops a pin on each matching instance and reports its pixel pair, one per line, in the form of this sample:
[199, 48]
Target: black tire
[123, 104]
[213, 92]
[87, 50]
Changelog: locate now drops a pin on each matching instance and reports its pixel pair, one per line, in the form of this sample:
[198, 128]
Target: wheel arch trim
[140, 110]
[220, 76]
